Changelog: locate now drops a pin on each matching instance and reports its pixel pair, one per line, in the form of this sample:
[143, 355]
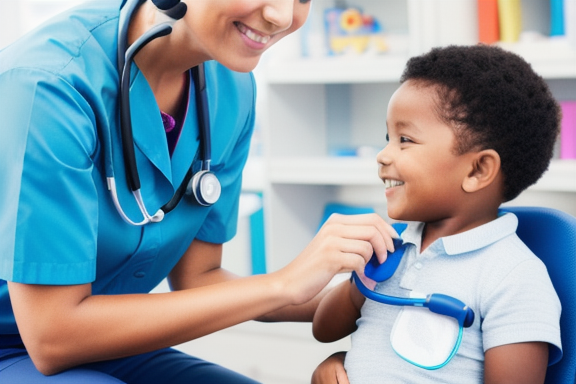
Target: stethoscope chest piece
[205, 187]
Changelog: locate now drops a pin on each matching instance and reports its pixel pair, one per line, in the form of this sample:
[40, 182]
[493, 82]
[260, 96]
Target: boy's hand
[331, 370]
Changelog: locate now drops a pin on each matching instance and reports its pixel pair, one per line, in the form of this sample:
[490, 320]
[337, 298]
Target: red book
[488, 28]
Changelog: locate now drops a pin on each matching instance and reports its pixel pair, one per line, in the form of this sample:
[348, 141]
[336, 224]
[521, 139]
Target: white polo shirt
[491, 270]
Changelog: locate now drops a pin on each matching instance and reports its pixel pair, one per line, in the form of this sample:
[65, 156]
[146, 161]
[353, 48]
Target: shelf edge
[560, 177]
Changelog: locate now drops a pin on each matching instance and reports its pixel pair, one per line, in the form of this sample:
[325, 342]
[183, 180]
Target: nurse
[75, 272]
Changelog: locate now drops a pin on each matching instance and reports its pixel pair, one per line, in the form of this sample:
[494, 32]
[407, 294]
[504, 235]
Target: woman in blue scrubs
[75, 275]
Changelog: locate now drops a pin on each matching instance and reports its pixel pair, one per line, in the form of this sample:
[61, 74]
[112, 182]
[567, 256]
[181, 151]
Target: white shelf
[552, 58]
[561, 176]
[324, 171]
[336, 69]
[549, 60]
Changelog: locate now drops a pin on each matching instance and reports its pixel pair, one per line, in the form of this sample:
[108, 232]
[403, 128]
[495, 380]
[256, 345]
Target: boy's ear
[485, 166]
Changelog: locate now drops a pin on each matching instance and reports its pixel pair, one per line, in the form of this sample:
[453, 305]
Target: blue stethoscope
[435, 302]
[204, 184]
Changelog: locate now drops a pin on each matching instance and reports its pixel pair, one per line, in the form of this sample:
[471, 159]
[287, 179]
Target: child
[468, 129]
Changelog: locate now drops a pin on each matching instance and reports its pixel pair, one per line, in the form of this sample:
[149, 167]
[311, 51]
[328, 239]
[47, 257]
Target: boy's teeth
[392, 183]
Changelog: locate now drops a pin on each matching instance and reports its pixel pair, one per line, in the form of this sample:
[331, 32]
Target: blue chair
[551, 235]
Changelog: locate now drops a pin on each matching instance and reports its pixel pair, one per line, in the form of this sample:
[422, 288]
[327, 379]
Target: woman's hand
[345, 243]
[331, 370]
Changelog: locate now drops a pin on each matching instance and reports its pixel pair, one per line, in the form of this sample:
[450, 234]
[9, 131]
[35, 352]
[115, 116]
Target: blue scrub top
[59, 92]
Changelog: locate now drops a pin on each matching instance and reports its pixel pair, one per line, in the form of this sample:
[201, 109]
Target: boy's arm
[522, 363]
[337, 313]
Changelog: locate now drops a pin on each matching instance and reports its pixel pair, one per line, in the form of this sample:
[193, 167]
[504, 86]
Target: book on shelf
[488, 28]
[568, 130]
[510, 20]
[501, 20]
[557, 17]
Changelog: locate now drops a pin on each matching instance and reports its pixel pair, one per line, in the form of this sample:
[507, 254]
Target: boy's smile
[419, 166]
[392, 183]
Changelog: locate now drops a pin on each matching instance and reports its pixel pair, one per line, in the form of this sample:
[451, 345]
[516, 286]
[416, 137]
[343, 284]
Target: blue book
[556, 17]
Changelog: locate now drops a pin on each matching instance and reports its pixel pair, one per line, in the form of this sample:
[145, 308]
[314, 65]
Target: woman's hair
[493, 100]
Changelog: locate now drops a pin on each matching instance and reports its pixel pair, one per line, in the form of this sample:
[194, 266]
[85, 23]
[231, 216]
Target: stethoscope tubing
[199, 78]
[385, 299]
[147, 218]
[125, 58]
[437, 303]
[126, 124]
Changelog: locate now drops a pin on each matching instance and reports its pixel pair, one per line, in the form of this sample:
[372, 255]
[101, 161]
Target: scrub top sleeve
[221, 223]
[524, 307]
[49, 201]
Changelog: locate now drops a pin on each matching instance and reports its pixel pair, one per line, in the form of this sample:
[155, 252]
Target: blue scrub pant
[162, 366]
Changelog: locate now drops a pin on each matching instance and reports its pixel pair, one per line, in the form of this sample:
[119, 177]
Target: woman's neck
[163, 68]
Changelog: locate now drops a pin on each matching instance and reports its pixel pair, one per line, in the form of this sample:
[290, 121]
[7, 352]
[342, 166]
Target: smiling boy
[469, 128]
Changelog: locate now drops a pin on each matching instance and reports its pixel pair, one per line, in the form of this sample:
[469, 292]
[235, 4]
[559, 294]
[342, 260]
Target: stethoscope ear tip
[165, 4]
[174, 9]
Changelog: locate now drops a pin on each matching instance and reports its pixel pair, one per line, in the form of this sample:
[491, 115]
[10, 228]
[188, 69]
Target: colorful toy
[351, 30]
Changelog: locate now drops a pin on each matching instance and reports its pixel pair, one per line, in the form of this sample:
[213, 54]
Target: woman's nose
[280, 13]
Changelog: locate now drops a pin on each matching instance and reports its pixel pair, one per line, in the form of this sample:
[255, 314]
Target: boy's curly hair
[494, 100]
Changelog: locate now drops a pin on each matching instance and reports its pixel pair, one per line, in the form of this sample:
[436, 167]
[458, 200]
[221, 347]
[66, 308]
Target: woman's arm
[337, 313]
[201, 266]
[520, 363]
[64, 326]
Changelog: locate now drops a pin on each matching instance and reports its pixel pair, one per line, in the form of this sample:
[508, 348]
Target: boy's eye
[401, 139]
[304, 1]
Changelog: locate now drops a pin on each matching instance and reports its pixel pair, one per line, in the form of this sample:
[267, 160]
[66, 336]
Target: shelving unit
[317, 105]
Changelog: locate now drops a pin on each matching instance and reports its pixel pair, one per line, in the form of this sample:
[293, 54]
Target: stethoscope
[435, 302]
[204, 184]
[414, 349]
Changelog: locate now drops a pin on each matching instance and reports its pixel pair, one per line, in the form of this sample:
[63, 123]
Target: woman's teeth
[253, 35]
[392, 183]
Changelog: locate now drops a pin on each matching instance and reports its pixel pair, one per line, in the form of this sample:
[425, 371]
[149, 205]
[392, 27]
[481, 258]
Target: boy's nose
[383, 156]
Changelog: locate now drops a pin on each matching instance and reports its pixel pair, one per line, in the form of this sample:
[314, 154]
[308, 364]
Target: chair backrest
[551, 235]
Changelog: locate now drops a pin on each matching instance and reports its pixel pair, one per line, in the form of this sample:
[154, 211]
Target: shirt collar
[470, 240]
